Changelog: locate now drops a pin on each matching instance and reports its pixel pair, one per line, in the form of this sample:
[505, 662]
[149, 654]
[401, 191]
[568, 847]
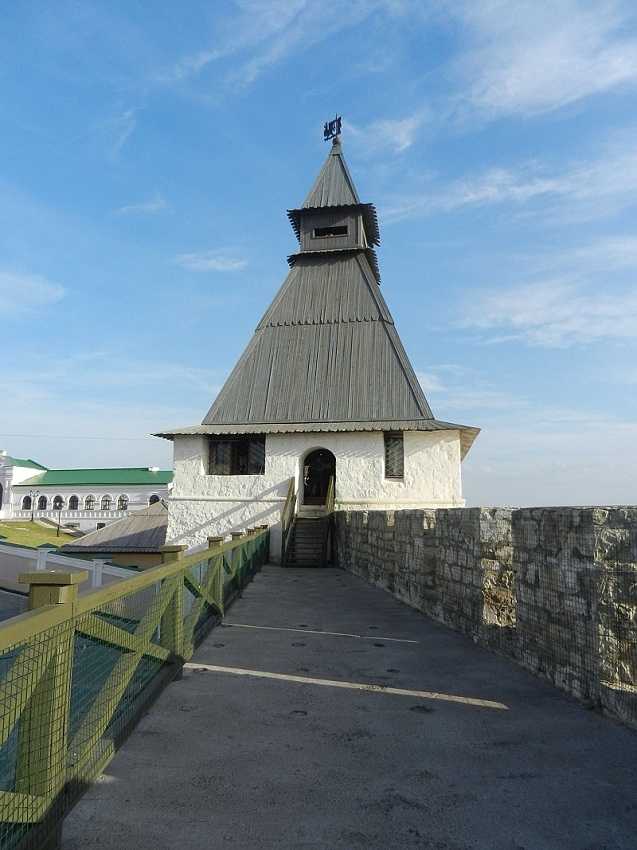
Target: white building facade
[323, 393]
[85, 499]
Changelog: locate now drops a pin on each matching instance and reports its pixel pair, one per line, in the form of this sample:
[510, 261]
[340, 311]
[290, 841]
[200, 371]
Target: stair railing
[287, 520]
[330, 501]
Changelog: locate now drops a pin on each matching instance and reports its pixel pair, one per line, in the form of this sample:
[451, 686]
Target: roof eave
[468, 433]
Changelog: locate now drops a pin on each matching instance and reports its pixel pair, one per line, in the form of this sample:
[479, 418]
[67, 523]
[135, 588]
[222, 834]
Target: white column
[43, 554]
[97, 571]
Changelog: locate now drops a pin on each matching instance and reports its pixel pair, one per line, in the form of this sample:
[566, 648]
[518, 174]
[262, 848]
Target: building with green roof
[86, 499]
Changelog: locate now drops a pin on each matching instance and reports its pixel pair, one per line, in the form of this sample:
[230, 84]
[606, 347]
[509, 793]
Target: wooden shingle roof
[326, 355]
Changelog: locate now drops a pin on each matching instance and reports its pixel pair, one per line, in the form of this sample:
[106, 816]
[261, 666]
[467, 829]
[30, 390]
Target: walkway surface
[241, 761]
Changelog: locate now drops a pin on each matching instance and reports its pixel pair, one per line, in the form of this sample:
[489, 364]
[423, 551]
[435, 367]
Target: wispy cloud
[261, 35]
[554, 314]
[25, 293]
[120, 128]
[394, 134]
[584, 189]
[527, 59]
[153, 205]
[210, 261]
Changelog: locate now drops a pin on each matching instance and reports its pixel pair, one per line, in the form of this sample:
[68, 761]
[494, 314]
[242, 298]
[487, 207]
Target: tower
[323, 389]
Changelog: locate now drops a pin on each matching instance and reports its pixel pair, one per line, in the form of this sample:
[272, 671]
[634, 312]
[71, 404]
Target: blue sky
[149, 152]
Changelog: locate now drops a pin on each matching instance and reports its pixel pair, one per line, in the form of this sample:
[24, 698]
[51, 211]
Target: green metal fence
[75, 674]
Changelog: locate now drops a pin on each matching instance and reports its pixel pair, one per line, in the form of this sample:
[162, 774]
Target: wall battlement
[553, 588]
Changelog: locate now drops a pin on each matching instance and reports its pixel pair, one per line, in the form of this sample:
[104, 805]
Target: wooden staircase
[308, 544]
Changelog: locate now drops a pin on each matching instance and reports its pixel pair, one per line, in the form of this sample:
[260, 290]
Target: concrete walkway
[229, 760]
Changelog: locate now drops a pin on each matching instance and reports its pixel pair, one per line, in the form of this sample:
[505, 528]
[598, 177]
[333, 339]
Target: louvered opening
[394, 455]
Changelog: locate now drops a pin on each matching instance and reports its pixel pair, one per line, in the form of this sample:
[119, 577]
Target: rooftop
[100, 477]
[140, 531]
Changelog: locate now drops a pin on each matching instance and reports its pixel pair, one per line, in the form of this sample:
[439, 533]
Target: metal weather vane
[332, 129]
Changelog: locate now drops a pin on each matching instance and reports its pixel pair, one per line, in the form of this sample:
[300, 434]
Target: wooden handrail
[287, 518]
[330, 499]
[62, 746]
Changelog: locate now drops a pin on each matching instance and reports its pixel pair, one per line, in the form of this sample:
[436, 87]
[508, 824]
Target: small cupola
[332, 218]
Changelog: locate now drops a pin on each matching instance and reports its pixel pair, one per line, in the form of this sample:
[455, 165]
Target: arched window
[42, 503]
[74, 503]
[106, 503]
[153, 499]
[58, 503]
[122, 503]
[26, 503]
[89, 503]
[1, 495]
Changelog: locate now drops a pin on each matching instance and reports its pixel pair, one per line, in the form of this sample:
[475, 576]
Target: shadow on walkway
[487, 757]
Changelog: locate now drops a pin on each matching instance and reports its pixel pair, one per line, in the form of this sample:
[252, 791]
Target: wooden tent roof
[326, 354]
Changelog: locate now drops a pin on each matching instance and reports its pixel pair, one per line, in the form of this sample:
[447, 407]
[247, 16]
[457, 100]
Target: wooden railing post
[171, 625]
[44, 724]
[238, 557]
[215, 543]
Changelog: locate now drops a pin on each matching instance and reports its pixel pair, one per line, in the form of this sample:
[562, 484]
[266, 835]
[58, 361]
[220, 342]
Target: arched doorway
[318, 467]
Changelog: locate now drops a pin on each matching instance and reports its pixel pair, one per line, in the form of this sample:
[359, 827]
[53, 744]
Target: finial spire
[332, 129]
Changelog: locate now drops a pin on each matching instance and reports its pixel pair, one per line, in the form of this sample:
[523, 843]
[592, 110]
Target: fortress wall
[553, 588]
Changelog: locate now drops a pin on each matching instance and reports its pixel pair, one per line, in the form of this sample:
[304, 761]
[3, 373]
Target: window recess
[243, 455]
[394, 455]
[334, 230]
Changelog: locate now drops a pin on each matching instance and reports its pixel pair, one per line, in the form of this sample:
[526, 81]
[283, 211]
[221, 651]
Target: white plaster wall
[9, 476]
[202, 505]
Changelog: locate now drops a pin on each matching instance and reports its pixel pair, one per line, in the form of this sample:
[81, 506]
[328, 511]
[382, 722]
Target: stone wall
[553, 588]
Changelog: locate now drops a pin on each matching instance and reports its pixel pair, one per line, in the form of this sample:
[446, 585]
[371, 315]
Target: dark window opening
[237, 456]
[74, 503]
[394, 455]
[153, 499]
[334, 230]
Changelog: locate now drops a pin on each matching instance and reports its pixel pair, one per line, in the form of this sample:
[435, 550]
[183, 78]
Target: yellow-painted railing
[75, 673]
[287, 519]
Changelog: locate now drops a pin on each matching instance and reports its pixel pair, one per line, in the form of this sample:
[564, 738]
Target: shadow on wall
[232, 519]
[553, 588]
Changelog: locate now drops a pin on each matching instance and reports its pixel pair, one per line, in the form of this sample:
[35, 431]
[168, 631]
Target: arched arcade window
[153, 499]
[26, 503]
[106, 503]
[89, 503]
[122, 503]
[58, 503]
[74, 503]
[42, 503]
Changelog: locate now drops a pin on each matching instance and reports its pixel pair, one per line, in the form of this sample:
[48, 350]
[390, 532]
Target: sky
[149, 153]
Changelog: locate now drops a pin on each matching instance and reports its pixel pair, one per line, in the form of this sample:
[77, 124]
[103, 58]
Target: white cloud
[554, 313]
[120, 128]
[529, 58]
[586, 189]
[112, 411]
[24, 293]
[150, 207]
[262, 34]
[210, 261]
[395, 134]
[429, 381]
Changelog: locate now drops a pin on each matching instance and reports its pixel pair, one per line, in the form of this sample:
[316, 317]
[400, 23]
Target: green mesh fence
[74, 678]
